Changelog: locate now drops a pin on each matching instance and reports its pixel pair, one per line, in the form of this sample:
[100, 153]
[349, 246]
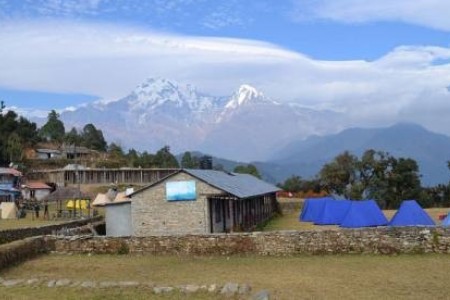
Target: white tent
[9, 210]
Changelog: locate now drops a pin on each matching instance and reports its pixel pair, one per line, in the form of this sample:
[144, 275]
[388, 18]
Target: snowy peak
[245, 95]
[156, 93]
[155, 85]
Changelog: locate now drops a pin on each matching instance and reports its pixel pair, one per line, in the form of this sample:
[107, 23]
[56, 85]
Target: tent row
[366, 213]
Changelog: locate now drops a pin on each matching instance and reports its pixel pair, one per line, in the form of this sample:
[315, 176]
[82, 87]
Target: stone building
[197, 202]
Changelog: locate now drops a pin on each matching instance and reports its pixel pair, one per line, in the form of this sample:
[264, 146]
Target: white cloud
[109, 61]
[428, 13]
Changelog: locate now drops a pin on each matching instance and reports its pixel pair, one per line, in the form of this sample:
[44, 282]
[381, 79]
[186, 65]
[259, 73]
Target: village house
[193, 202]
[35, 190]
[10, 180]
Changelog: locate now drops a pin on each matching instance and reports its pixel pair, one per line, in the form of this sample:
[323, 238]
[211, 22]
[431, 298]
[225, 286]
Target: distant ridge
[429, 149]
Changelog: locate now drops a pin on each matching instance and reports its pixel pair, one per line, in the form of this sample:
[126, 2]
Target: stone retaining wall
[10, 235]
[278, 243]
[18, 251]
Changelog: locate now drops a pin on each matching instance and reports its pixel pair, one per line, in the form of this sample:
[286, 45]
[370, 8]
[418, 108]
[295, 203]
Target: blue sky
[388, 58]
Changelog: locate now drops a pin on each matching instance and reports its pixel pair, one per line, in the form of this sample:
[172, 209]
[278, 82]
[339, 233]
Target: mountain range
[306, 157]
[280, 138]
[245, 125]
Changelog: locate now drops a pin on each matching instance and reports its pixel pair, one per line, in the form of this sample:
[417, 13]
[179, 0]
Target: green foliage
[73, 137]
[188, 161]
[248, 169]
[165, 159]
[339, 175]
[16, 133]
[295, 184]
[376, 175]
[92, 138]
[53, 130]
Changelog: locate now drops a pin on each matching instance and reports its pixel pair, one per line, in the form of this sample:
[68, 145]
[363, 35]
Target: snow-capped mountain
[246, 125]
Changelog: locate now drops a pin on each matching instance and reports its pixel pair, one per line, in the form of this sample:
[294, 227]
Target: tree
[248, 169]
[73, 137]
[339, 176]
[188, 161]
[14, 147]
[403, 182]
[16, 133]
[92, 138]
[53, 130]
[115, 151]
[147, 160]
[293, 184]
[133, 158]
[165, 159]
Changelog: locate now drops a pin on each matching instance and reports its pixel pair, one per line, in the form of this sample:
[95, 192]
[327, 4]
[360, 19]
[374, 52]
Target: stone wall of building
[179, 217]
[10, 235]
[277, 243]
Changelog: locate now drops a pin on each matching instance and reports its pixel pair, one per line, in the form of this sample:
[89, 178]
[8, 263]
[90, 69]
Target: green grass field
[304, 277]
[301, 277]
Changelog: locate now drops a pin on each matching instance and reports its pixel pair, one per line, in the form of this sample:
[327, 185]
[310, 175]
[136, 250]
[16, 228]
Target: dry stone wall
[277, 243]
[10, 235]
[18, 251]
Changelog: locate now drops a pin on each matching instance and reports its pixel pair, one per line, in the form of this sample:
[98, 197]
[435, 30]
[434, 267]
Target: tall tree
[133, 158]
[293, 184]
[16, 133]
[93, 138]
[14, 147]
[53, 130]
[164, 159]
[73, 137]
[146, 160]
[115, 151]
[403, 182]
[339, 176]
[247, 169]
[188, 161]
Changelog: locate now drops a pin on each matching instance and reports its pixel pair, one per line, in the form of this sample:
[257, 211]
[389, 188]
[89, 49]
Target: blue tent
[312, 208]
[364, 214]
[333, 212]
[411, 214]
[446, 221]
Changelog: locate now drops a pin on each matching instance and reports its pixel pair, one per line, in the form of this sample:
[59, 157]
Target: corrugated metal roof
[11, 171]
[37, 185]
[239, 185]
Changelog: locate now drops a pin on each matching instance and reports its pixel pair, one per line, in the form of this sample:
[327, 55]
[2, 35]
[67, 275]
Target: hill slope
[430, 150]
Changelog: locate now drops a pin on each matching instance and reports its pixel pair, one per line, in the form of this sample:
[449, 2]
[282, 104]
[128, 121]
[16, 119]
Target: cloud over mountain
[106, 60]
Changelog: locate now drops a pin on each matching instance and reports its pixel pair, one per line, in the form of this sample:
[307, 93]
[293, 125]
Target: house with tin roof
[10, 181]
[35, 190]
[192, 201]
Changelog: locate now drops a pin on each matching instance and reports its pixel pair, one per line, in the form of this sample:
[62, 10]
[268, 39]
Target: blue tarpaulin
[446, 221]
[411, 214]
[333, 212]
[312, 208]
[364, 214]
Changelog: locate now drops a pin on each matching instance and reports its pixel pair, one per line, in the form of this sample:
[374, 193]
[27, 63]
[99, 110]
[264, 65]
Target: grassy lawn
[304, 277]
[31, 221]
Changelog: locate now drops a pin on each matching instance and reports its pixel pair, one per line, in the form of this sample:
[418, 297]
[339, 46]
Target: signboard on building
[181, 190]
